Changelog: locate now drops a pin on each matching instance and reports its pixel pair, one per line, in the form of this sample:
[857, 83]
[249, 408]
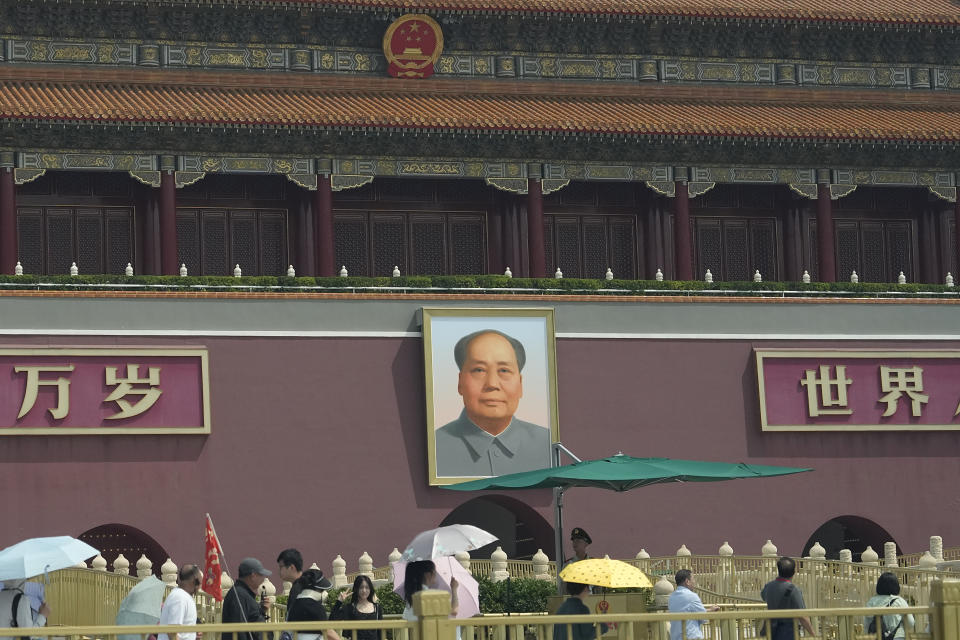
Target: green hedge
[526, 595]
[488, 283]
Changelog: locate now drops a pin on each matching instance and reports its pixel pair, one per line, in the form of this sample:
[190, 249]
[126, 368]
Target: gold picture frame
[518, 396]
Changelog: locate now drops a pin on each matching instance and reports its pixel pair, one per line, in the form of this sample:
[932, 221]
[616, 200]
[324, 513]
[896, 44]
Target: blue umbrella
[141, 606]
[37, 556]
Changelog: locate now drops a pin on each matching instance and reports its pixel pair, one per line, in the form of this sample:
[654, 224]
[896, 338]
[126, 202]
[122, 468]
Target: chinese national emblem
[412, 45]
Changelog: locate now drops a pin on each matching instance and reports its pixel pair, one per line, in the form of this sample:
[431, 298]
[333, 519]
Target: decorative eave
[569, 110]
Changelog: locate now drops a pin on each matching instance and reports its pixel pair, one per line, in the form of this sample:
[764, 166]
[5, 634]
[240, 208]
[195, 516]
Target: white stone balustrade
[168, 573]
[541, 565]
[890, 554]
[365, 565]
[498, 568]
[144, 567]
[121, 566]
[339, 572]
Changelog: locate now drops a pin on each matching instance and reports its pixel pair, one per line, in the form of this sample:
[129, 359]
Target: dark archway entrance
[114, 539]
[849, 532]
[520, 529]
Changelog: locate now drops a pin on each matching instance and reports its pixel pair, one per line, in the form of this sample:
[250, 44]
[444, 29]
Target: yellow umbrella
[604, 572]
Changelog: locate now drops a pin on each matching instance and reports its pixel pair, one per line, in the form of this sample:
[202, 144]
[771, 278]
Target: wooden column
[826, 261]
[956, 235]
[8, 221]
[168, 224]
[323, 227]
[682, 255]
[535, 240]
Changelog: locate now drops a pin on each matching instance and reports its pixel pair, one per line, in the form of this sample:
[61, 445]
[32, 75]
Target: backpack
[13, 613]
[887, 634]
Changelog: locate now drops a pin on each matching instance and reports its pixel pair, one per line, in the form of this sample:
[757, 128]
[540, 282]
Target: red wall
[319, 443]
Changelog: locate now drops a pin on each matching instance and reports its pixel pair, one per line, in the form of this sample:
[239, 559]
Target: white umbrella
[446, 541]
[36, 556]
[468, 591]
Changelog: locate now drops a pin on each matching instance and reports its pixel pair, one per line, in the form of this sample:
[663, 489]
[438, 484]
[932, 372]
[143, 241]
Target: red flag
[211, 568]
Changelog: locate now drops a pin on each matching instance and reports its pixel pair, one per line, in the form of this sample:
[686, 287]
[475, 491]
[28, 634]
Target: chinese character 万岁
[33, 387]
[125, 388]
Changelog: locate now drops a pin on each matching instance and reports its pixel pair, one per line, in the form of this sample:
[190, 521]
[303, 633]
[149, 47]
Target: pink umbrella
[468, 591]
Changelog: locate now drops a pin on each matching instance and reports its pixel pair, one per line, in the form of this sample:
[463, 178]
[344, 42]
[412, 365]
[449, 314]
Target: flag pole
[223, 556]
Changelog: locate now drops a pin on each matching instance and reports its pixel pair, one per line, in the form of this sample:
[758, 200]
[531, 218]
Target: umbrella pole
[558, 533]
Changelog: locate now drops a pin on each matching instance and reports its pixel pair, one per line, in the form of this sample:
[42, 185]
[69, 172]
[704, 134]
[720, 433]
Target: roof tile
[896, 11]
[623, 114]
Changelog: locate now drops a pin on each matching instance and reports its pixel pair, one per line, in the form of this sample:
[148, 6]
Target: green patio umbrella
[619, 473]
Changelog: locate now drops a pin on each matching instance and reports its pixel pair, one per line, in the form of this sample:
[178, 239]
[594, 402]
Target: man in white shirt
[180, 607]
[13, 592]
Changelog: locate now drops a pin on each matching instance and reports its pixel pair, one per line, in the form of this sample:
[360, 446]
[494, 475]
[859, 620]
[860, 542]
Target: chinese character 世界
[125, 388]
[33, 387]
[832, 397]
[897, 382]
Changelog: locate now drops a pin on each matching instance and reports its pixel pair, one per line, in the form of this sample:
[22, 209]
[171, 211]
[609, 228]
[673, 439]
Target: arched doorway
[520, 529]
[849, 532]
[114, 539]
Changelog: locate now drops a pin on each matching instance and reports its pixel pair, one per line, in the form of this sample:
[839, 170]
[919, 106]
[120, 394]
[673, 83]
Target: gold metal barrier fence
[389, 629]
[940, 621]
[87, 597]
[740, 624]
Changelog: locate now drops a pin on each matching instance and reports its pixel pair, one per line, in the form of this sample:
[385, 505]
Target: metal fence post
[945, 598]
[431, 606]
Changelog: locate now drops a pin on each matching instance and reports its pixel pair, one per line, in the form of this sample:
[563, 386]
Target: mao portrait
[491, 391]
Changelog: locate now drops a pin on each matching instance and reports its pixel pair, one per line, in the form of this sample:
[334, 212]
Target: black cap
[315, 580]
[251, 565]
[580, 533]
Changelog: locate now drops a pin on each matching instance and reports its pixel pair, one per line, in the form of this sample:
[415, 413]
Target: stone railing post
[683, 557]
[168, 573]
[392, 558]
[144, 567]
[365, 565]
[269, 591]
[121, 566]
[643, 561]
[339, 572]
[99, 563]
[869, 556]
[541, 566]
[890, 554]
[936, 547]
[945, 599]
[661, 591]
[928, 561]
[725, 573]
[226, 582]
[814, 573]
[768, 552]
[498, 565]
[463, 557]
[432, 607]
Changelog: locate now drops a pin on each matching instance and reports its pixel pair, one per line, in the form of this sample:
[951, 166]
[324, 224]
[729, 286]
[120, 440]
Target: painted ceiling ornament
[412, 44]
